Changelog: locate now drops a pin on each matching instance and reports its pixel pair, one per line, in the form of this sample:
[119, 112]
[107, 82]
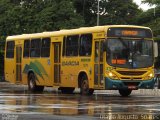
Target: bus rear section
[129, 59]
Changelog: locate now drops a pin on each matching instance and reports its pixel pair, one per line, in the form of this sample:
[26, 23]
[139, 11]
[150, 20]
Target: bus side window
[72, 45]
[45, 49]
[26, 48]
[35, 47]
[10, 49]
[85, 45]
[96, 52]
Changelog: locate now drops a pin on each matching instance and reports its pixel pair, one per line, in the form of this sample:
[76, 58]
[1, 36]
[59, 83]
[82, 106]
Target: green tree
[151, 17]
[28, 16]
[111, 11]
[59, 15]
[152, 2]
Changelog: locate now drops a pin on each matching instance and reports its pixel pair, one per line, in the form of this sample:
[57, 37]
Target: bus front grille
[132, 72]
[131, 78]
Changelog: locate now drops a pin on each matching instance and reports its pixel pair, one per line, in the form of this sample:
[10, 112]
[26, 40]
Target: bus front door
[18, 64]
[98, 64]
[57, 63]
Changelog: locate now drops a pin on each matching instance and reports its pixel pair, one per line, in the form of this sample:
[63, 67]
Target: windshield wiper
[124, 44]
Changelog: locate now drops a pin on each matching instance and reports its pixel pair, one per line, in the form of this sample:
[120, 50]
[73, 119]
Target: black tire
[84, 87]
[32, 87]
[40, 88]
[125, 92]
[67, 90]
[158, 82]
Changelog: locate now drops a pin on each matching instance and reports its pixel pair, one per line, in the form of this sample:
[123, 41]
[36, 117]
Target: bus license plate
[131, 87]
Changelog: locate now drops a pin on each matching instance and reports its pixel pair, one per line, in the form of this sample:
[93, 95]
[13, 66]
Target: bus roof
[68, 32]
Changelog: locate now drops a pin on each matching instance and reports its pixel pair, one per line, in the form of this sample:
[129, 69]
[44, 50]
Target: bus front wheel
[32, 87]
[125, 93]
[84, 89]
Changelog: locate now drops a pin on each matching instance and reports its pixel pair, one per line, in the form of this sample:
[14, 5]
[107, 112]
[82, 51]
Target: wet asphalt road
[18, 104]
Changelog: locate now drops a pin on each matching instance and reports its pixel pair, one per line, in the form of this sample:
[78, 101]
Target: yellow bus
[112, 57]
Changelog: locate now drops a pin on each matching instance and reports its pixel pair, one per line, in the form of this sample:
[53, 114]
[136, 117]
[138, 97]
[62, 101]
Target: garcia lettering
[70, 63]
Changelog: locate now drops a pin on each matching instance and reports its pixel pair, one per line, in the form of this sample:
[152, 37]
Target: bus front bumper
[111, 84]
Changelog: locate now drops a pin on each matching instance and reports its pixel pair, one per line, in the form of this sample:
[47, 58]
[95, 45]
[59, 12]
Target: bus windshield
[129, 53]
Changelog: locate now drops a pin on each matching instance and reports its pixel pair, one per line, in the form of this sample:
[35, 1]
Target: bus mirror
[155, 49]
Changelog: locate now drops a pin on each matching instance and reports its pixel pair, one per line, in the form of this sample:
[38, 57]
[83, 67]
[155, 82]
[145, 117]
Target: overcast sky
[143, 6]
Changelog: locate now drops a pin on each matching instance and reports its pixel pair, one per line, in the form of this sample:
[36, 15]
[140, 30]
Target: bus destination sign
[129, 32]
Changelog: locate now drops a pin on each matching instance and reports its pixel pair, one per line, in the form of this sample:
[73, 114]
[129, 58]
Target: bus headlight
[149, 76]
[112, 75]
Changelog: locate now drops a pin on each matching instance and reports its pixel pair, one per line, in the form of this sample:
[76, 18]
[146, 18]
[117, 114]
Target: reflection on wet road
[16, 100]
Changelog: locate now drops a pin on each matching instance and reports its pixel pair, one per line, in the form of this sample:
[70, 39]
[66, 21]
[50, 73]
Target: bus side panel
[87, 68]
[25, 62]
[72, 67]
[41, 69]
[46, 71]
[10, 66]
[69, 72]
[10, 70]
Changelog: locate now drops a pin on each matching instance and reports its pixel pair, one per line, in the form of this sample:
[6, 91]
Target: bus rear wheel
[125, 92]
[84, 89]
[32, 87]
